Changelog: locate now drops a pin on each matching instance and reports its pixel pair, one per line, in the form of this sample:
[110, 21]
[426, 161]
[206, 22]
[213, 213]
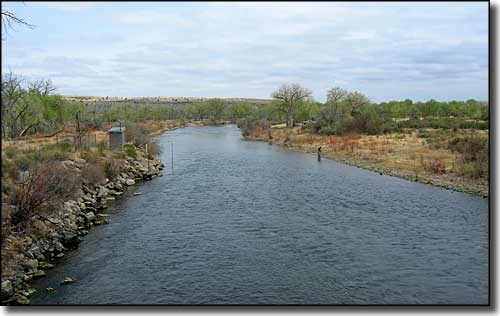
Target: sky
[385, 50]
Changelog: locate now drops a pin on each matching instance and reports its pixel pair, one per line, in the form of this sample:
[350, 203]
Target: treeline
[33, 108]
[352, 112]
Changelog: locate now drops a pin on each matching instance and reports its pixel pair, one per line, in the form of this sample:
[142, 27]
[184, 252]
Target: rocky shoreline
[64, 227]
[439, 181]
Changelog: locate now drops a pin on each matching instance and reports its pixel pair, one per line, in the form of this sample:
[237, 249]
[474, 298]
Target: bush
[368, 122]
[130, 150]
[153, 148]
[113, 167]
[48, 184]
[474, 160]
[250, 125]
[448, 123]
[93, 173]
[435, 166]
[102, 148]
[137, 134]
[10, 151]
[91, 156]
[23, 162]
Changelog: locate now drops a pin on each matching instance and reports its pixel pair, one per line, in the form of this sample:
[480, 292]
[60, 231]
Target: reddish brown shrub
[47, 184]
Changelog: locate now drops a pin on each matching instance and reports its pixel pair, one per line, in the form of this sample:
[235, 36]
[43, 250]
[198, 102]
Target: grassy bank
[417, 155]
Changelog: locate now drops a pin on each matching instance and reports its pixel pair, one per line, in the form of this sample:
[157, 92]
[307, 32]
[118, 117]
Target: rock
[30, 264]
[58, 246]
[22, 300]
[60, 255]
[68, 280]
[82, 232]
[7, 289]
[70, 240]
[102, 192]
[79, 160]
[50, 289]
[110, 198]
[26, 277]
[28, 292]
[38, 274]
[137, 193]
[90, 217]
[35, 253]
[102, 221]
[55, 221]
[88, 199]
[130, 182]
[118, 186]
[45, 265]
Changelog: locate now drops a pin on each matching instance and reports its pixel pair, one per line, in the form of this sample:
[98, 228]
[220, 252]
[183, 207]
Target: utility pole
[77, 132]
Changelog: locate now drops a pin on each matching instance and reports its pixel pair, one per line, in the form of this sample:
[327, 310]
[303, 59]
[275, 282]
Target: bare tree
[336, 95]
[41, 87]
[10, 20]
[290, 95]
[14, 107]
[356, 101]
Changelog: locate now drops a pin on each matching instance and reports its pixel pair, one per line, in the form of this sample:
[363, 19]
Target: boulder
[45, 265]
[130, 182]
[34, 252]
[38, 274]
[22, 300]
[70, 240]
[90, 217]
[30, 264]
[68, 280]
[58, 246]
[7, 289]
[102, 192]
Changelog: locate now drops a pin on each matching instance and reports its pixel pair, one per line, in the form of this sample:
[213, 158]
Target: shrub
[10, 151]
[153, 148]
[368, 122]
[93, 173]
[448, 123]
[250, 125]
[24, 161]
[113, 167]
[474, 159]
[48, 184]
[102, 148]
[130, 150]
[435, 166]
[6, 219]
[137, 134]
[91, 156]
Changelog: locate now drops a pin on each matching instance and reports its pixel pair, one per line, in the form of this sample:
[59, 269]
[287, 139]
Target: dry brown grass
[397, 151]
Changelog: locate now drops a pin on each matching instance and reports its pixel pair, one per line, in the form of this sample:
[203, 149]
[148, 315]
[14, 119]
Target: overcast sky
[387, 51]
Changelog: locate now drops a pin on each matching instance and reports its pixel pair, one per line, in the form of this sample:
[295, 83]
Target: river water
[242, 222]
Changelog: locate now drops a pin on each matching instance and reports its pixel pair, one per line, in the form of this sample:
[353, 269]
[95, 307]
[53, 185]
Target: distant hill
[160, 100]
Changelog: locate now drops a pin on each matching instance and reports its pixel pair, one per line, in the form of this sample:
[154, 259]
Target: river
[243, 222]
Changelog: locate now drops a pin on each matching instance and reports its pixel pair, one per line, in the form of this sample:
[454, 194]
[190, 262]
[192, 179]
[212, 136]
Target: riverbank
[404, 156]
[28, 254]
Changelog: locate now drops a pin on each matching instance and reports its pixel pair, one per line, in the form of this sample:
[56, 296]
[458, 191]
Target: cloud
[68, 6]
[247, 49]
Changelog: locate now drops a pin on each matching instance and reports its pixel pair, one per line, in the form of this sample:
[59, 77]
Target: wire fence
[84, 141]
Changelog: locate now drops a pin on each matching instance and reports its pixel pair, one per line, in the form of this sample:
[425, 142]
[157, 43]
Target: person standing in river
[319, 153]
